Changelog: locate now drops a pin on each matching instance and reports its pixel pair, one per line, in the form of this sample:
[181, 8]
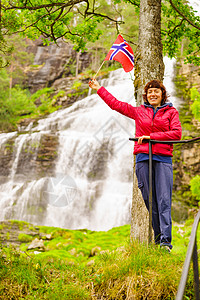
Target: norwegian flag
[122, 52]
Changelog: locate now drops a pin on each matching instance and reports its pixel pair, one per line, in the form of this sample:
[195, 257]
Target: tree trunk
[11, 77]
[77, 62]
[148, 65]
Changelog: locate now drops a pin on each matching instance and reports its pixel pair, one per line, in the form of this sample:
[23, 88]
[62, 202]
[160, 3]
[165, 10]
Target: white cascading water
[92, 182]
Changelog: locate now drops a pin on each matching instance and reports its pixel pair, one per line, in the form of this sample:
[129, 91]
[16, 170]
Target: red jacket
[162, 126]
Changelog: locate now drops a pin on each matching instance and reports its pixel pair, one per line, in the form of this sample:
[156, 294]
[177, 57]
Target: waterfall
[82, 178]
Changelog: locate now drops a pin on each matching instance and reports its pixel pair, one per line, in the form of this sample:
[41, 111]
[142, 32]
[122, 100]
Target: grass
[83, 264]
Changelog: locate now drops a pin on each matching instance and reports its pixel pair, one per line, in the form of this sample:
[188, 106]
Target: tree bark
[148, 66]
[77, 62]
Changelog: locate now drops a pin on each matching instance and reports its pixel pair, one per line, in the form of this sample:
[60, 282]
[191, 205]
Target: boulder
[37, 244]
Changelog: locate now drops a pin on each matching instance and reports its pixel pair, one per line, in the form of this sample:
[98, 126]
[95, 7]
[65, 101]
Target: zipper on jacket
[152, 119]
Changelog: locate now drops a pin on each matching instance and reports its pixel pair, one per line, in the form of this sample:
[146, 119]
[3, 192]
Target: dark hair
[155, 84]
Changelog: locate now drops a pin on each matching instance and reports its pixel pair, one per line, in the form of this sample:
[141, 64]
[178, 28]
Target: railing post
[196, 270]
[150, 192]
[191, 253]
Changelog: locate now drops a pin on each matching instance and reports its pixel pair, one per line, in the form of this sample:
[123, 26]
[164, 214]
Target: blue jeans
[162, 179]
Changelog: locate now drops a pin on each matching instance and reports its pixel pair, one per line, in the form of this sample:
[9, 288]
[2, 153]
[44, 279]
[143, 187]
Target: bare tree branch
[87, 8]
[49, 13]
[106, 17]
[130, 39]
[63, 4]
[134, 2]
[57, 18]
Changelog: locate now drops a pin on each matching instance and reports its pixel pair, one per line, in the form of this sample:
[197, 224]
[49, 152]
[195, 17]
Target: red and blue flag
[122, 52]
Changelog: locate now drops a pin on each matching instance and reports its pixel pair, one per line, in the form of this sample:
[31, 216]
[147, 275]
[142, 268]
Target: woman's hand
[141, 138]
[93, 84]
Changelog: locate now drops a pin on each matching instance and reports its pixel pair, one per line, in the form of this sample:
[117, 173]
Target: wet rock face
[15, 233]
[186, 167]
[28, 156]
[191, 74]
[191, 156]
[6, 158]
[37, 158]
[52, 63]
[98, 165]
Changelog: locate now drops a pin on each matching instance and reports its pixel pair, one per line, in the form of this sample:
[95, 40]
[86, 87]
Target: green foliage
[42, 94]
[76, 85]
[14, 103]
[19, 59]
[195, 107]
[119, 270]
[84, 23]
[47, 102]
[84, 32]
[57, 21]
[195, 186]
[177, 32]
[17, 103]
[5, 51]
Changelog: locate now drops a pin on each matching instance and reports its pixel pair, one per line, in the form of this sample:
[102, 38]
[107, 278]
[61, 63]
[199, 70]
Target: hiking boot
[166, 248]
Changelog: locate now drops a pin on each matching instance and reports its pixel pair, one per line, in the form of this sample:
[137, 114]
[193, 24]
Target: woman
[157, 119]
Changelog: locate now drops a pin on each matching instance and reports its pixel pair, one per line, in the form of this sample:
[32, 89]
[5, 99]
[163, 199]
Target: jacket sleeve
[174, 133]
[121, 107]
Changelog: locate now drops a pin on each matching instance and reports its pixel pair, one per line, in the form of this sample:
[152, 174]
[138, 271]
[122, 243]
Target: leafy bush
[195, 97]
[14, 103]
[195, 186]
[17, 103]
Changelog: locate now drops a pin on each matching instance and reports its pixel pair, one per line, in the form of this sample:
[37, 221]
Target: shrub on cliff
[195, 97]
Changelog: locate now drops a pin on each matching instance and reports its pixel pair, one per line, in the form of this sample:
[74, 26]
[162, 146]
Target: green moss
[61, 93]
[31, 228]
[23, 247]
[78, 93]
[118, 269]
[21, 224]
[25, 238]
[8, 235]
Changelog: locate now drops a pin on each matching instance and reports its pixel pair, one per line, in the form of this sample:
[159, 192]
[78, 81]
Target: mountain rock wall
[190, 73]
[54, 65]
[186, 156]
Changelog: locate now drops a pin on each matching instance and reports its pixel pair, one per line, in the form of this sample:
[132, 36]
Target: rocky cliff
[59, 68]
[190, 73]
[54, 65]
[186, 156]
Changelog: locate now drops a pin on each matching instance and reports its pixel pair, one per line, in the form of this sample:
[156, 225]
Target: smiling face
[155, 93]
[154, 96]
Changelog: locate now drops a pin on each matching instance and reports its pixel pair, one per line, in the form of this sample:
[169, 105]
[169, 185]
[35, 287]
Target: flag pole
[99, 69]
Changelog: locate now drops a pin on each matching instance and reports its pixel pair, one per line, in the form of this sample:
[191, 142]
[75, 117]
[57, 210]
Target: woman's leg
[142, 173]
[163, 187]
